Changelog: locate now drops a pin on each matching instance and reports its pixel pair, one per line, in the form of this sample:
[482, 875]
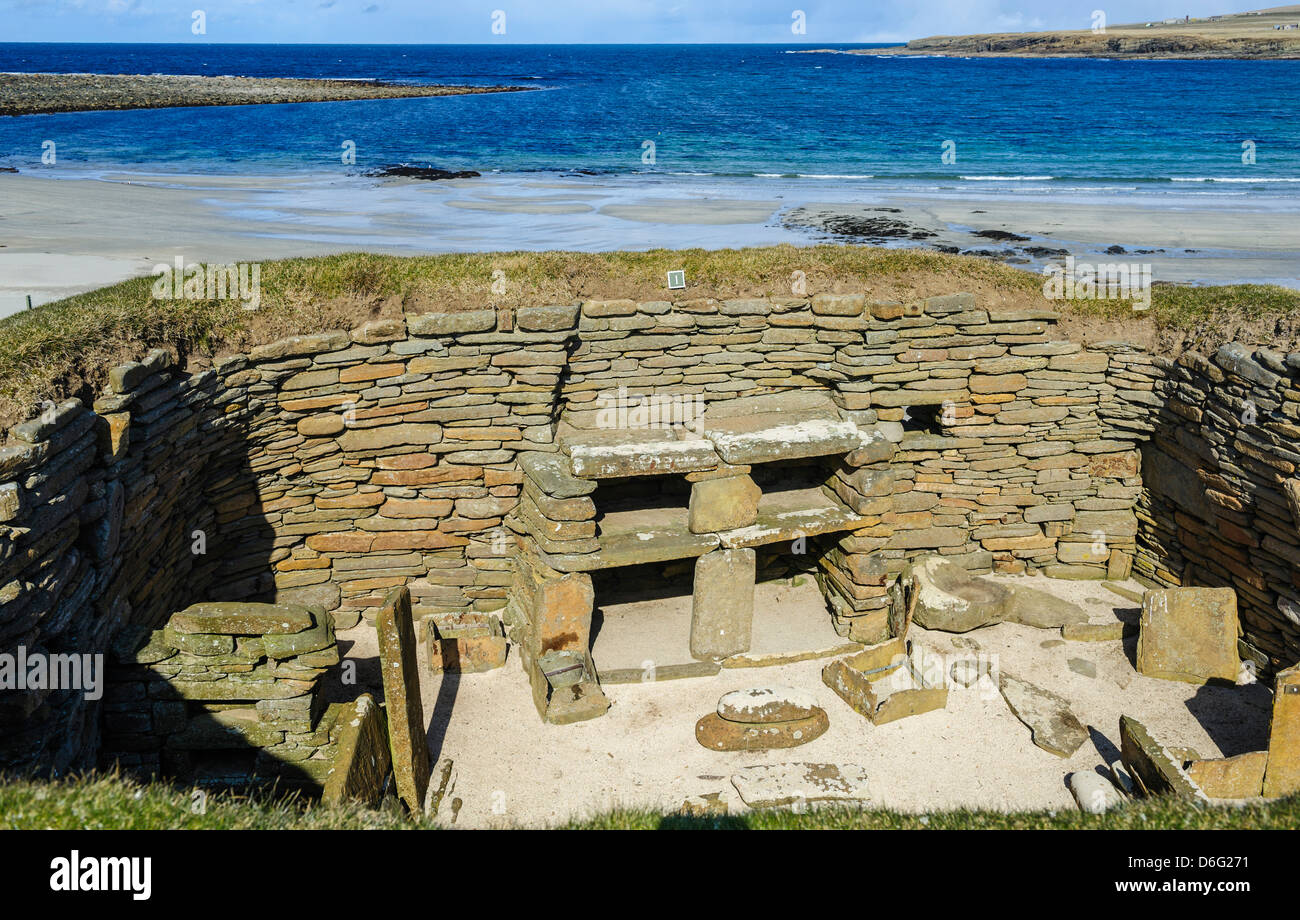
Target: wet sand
[63, 236]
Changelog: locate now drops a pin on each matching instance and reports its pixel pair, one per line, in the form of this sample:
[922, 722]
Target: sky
[561, 21]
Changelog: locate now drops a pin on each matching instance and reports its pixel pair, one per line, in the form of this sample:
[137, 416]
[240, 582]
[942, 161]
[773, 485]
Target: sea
[750, 111]
[736, 120]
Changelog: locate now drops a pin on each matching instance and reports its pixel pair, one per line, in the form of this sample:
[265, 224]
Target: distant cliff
[1264, 34]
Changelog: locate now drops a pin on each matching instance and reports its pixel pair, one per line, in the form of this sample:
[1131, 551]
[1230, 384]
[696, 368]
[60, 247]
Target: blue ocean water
[761, 112]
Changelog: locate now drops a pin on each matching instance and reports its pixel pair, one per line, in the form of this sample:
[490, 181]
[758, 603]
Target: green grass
[66, 348]
[100, 801]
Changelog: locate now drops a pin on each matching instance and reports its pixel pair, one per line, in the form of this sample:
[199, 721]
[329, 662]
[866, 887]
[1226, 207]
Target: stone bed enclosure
[491, 461]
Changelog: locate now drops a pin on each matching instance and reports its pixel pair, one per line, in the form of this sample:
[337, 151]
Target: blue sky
[559, 21]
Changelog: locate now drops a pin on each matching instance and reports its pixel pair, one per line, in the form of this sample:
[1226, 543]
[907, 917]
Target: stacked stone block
[223, 677]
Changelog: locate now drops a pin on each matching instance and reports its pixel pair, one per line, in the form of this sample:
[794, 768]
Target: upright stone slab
[723, 504]
[1282, 776]
[362, 760]
[1151, 764]
[1189, 634]
[406, 726]
[722, 610]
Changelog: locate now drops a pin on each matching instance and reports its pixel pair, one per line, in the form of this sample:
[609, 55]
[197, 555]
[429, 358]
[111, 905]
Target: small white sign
[676, 280]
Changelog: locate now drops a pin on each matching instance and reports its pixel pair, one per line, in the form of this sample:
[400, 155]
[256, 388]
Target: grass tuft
[111, 801]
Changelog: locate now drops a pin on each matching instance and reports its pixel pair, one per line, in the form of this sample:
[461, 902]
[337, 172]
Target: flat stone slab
[362, 758]
[659, 672]
[1189, 634]
[763, 438]
[241, 619]
[633, 452]
[779, 526]
[777, 785]
[1240, 777]
[1054, 727]
[553, 475]
[766, 704]
[652, 546]
[1283, 774]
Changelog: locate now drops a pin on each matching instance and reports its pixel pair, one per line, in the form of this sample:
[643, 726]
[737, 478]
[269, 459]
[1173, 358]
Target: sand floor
[514, 770]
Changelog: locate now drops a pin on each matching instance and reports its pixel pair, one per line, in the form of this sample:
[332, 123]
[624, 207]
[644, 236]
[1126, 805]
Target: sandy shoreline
[64, 236]
[43, 93]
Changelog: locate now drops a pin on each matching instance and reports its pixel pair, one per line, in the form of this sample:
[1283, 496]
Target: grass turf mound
[66, 348]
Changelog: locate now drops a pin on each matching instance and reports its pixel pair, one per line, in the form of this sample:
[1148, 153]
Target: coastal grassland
[108, 801]
[43, 93]
[66, 348]
[1247, 35]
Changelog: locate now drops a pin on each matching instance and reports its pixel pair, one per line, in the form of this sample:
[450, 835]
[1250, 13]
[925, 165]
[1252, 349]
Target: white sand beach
[66, 235]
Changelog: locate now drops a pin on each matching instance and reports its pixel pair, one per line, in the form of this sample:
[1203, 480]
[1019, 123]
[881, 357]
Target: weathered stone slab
[650, 545]
[1240, 777]
[406, 725]
[1054, 727]
[719, 734]
[548, 318]
[242, 619]
[1189, 634]
[451, 323]
[1282, 776]
[780, 436]
[766, 704]
[722, 605]
[319, 636]
[635, 452]
[554, 476]
[723, 504]
[779, 526]
[949, 598]
[1152, 767]
[778, 785]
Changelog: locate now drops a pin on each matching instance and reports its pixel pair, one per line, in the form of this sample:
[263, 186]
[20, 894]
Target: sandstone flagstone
[778, 785]
[1189, 634]
[406, 725]
[1053, 726]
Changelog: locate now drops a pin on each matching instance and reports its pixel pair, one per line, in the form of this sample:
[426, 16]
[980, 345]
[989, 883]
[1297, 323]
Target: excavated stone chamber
[490, 462]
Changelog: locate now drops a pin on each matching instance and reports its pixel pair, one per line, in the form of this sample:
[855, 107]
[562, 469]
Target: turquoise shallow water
[757, 112]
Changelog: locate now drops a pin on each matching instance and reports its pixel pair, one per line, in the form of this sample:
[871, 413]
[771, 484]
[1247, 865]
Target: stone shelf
[786, 515]
[637, 535]
[739, 432]
[620, 453]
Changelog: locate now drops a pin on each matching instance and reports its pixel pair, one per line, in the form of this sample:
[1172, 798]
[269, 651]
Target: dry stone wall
[1221, 502]
[327, 469]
